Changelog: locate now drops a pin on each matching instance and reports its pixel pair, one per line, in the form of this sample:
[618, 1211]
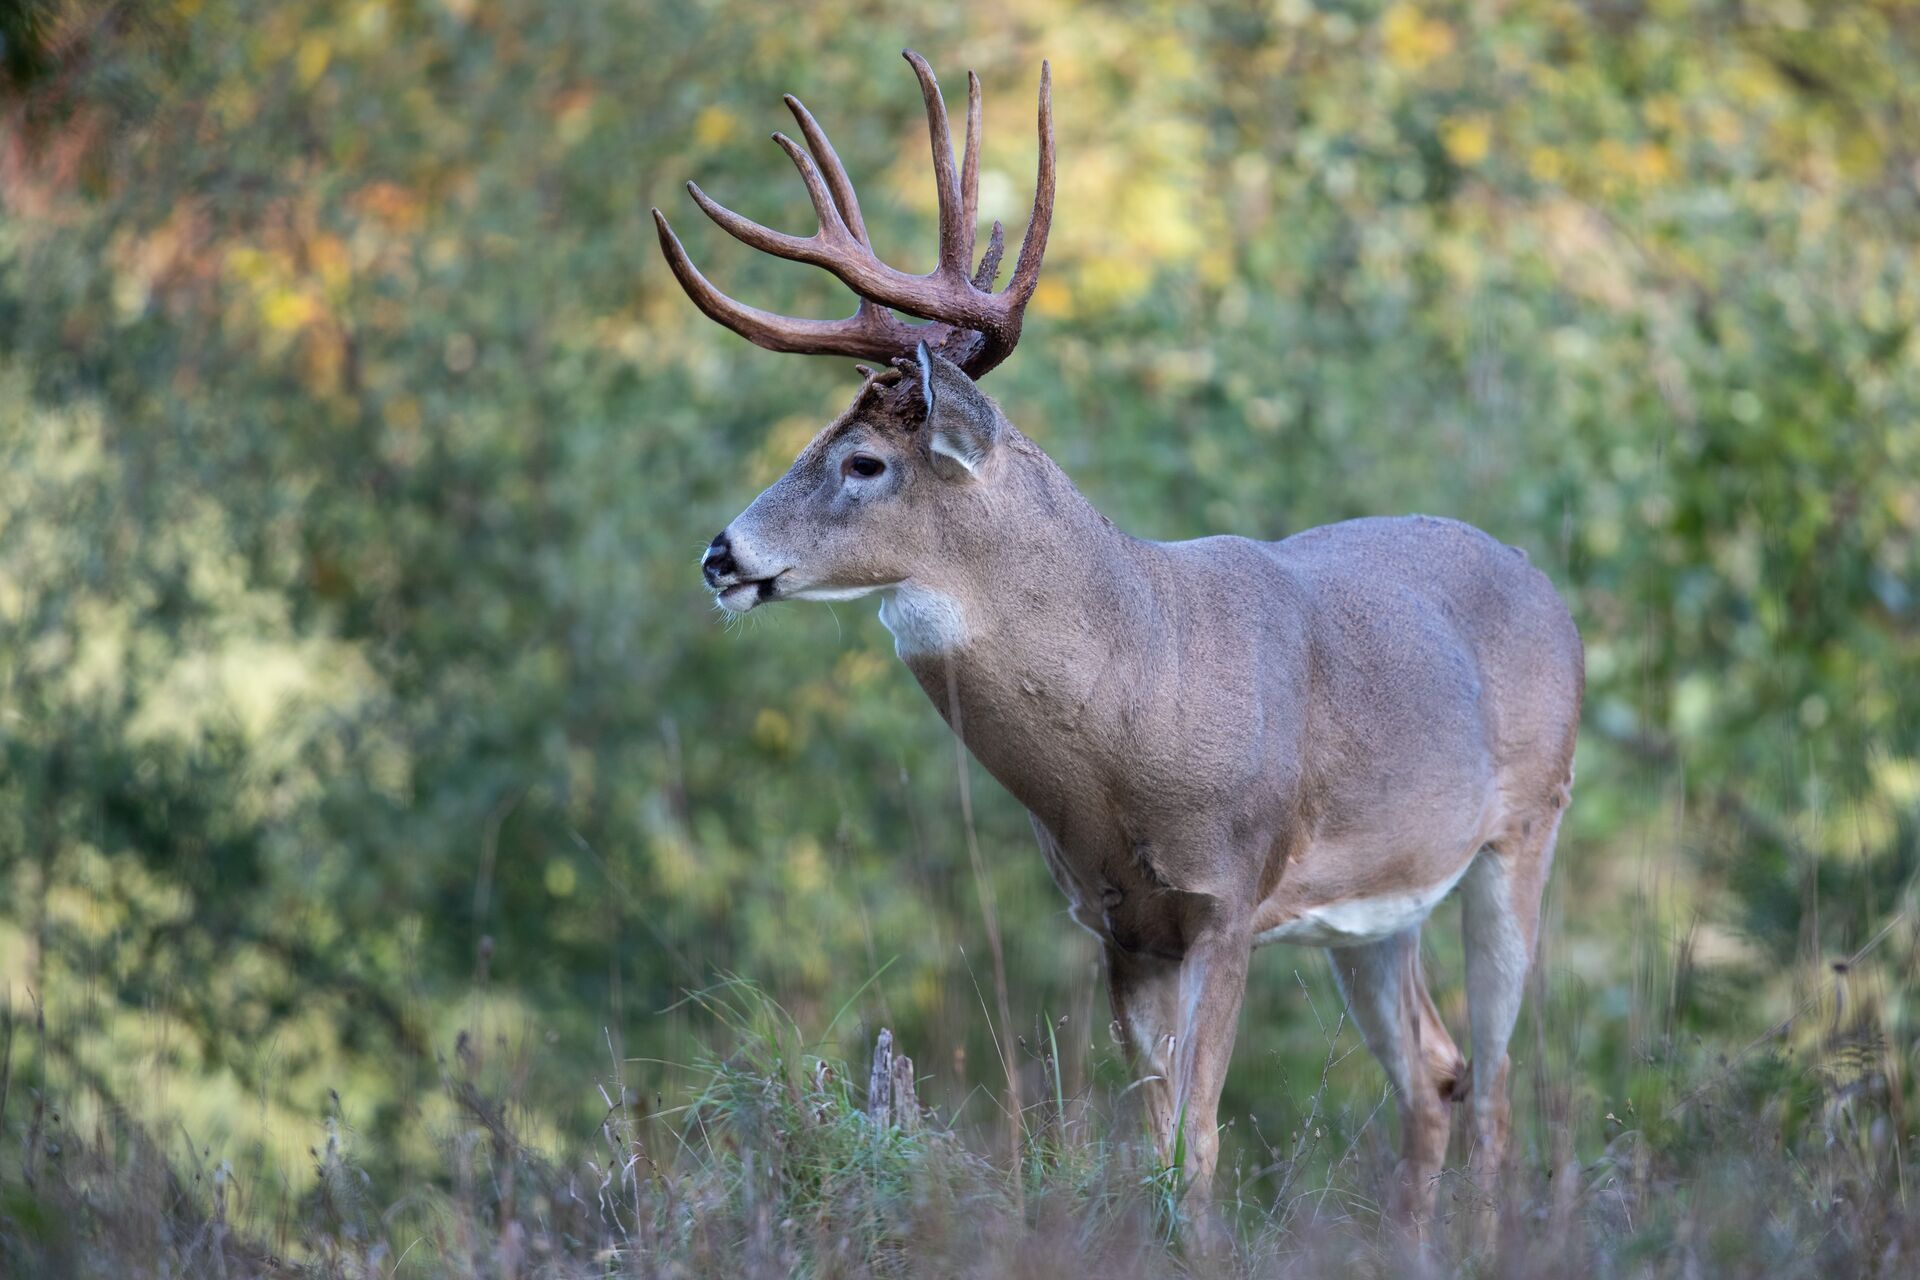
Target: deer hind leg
[1500, 918]
[1386, 992]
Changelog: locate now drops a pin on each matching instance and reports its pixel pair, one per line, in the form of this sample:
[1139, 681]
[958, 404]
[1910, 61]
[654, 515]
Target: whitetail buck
[1221, 742]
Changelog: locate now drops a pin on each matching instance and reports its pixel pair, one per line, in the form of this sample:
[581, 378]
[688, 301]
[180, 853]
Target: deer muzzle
[735, 589]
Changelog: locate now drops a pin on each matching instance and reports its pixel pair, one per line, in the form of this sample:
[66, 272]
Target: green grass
[778, 1161]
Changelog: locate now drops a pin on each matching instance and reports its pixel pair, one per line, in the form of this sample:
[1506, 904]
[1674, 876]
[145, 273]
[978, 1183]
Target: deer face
[873, 502]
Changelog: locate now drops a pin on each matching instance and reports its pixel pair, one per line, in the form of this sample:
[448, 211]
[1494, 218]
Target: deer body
[1221, 742]
[1310, 705]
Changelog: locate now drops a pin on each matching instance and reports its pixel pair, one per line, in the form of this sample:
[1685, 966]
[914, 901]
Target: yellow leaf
[331, 259]
[573, 115]
[311, 62]
[404, 414]
[772, 730]
[287, 310]
[1898, 780]
[1466, 138]
[1052, 298]
[1665, 111]
[806, 870]
[1411, 39]
[715, 125]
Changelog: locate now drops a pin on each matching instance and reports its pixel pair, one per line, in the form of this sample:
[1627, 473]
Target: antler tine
[990, 260]
[1026, 269]
[956, 239]
[970, 171]
[825, 208]
[871, 331]
[829, 161]
[751, 233]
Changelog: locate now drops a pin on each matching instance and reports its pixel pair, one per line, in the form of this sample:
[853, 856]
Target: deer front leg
[1145, 991]
[1177, 1019]
[1213, 981]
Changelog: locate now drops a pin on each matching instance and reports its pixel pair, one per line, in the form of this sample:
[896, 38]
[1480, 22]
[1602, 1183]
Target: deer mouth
[738, 597]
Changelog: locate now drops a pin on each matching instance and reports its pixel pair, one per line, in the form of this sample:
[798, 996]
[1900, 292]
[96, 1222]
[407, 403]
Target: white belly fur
[1353, 921]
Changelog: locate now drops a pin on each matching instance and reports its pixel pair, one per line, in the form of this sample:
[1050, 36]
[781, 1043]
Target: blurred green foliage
[356, 450]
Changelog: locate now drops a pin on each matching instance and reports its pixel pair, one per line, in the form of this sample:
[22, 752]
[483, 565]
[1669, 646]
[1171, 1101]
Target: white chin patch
[922, 621]
[829, 595]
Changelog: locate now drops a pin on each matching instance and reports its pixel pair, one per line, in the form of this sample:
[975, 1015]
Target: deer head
[875, 499]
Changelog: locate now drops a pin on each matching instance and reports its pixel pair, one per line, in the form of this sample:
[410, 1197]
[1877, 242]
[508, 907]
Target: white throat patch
[922, 621]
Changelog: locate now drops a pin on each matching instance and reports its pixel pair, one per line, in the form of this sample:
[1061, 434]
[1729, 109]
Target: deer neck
[1038, 620]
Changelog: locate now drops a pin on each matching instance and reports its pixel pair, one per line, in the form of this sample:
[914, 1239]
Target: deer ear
[962, 423]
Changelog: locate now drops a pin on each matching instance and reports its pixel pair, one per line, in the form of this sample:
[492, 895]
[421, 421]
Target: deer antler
[972, 325]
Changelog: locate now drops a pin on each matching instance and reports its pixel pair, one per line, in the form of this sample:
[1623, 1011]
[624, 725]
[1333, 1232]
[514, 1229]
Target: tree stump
[891, 1097]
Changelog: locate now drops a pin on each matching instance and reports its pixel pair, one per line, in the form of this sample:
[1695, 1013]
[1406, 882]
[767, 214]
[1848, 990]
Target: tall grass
[1781, 1161]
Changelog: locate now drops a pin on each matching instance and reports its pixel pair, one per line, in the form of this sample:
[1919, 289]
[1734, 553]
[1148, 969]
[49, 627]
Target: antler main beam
[972, 324]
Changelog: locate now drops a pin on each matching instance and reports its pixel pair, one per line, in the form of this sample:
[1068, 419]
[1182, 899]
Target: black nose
[718, 563]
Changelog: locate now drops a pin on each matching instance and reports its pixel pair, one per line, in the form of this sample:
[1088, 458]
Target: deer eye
[864, 465]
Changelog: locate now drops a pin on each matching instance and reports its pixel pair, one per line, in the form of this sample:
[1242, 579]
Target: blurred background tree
[357, 687]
